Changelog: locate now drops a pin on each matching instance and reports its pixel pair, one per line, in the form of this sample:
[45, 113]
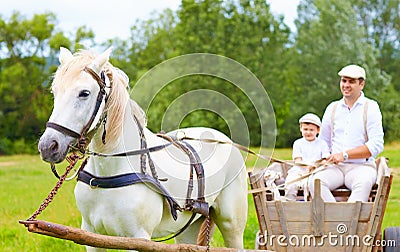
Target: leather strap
[63, 130]
[131, 153]
[199, 205]
[126, 180]
[99, 100]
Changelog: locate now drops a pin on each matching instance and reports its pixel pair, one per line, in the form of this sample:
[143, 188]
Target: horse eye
[84, 94]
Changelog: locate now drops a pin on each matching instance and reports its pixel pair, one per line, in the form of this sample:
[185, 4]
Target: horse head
[80, 90]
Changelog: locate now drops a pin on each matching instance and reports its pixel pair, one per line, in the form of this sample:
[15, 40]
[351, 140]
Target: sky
[110, 19]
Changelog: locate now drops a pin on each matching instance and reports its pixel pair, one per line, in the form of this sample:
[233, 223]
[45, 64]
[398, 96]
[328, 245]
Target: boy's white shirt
[310, 151]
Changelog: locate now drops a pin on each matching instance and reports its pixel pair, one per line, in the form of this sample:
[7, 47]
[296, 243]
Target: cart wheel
[391, 236]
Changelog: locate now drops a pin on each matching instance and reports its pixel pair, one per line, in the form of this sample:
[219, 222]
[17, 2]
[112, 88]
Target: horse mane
[117, 102]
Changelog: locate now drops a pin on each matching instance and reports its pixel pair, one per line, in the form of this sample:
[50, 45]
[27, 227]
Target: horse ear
[98, 63]
[65, 55]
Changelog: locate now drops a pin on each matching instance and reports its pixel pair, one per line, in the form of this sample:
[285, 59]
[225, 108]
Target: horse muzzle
[53, 146]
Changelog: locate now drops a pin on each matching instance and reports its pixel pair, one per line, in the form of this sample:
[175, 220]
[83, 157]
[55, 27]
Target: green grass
[25, 181]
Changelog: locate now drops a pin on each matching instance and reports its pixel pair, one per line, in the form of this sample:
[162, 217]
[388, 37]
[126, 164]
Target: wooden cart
[317, 225]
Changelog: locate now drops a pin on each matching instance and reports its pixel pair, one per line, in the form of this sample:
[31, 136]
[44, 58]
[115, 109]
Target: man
[352, 128]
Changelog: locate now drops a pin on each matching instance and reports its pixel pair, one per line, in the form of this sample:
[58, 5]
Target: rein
[175, 140]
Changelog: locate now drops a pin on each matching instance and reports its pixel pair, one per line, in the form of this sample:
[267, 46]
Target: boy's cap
[352, 71]
[310, 118]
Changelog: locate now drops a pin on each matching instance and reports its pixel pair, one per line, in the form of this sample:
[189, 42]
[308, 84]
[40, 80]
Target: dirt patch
[3, 164]
[395, 171]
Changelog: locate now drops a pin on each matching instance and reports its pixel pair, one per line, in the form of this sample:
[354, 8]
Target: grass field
[25, 181]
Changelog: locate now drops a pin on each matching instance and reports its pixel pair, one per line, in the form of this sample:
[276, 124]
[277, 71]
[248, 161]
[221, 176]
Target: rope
[245, 149]
[319, 168]
[208, 219]
[72, 159]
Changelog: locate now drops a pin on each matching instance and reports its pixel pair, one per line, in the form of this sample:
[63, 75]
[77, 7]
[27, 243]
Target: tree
[27, 60]
[244, 31]
[380, 20]
[297, 70]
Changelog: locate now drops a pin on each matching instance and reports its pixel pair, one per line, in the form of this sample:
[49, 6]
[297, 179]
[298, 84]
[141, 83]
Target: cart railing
[318, 219]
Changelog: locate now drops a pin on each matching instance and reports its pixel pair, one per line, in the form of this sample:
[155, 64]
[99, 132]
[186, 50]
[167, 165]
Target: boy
[307, 149]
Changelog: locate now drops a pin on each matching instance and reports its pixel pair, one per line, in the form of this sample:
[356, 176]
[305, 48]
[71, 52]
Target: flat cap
[352, 71]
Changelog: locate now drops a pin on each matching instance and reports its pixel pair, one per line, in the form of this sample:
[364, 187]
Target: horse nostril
[53, 146]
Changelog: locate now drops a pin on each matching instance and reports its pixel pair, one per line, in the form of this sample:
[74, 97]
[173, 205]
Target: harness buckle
[90, 184]
[198, 206]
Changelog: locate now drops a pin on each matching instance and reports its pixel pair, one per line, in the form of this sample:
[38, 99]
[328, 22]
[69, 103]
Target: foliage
[380, 20]
[297, 68]
[299, 75]
[220, 28]
[27, 61]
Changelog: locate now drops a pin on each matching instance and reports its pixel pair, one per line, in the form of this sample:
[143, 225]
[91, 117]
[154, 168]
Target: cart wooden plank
[349, 222]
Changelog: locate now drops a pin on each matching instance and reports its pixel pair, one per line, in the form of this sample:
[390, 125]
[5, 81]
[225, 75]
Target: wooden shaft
[83, 237]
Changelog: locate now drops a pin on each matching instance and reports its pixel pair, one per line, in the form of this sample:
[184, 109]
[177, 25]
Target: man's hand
[335, 158]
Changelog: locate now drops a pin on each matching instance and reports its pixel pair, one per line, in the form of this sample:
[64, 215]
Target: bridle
[85, 136]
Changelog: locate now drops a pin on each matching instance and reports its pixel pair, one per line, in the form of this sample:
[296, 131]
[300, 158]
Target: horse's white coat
[137, 210]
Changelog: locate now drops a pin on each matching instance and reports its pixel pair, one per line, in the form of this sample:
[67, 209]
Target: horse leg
[141, 233]
[189, 236]
[92, 249]
[87, 227]
[120, 230]
[230, 212]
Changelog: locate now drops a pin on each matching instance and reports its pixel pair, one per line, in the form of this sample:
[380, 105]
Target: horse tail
[207, 227]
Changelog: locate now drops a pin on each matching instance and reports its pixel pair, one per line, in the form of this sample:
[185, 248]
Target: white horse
[138, 210]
